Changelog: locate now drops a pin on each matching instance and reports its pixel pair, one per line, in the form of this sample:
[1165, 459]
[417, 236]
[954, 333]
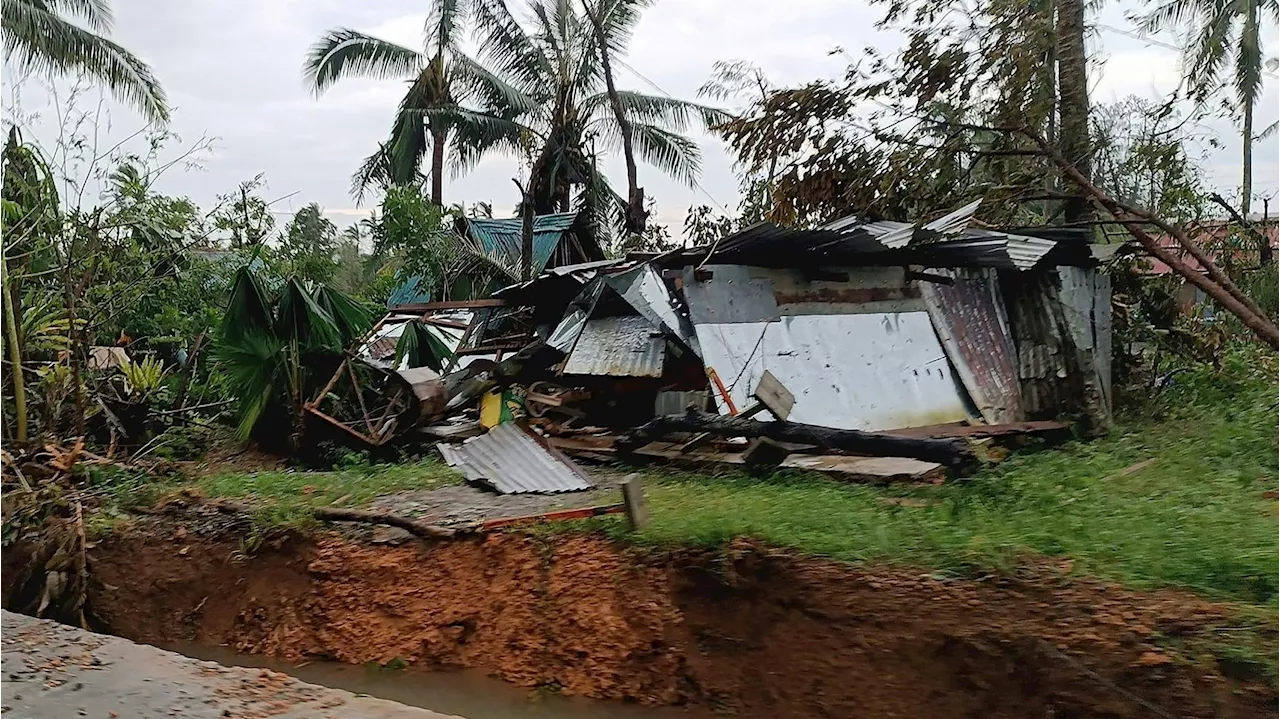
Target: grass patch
[281, 497]
[1197, 518]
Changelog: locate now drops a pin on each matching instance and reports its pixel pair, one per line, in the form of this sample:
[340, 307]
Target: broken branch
[334, 514]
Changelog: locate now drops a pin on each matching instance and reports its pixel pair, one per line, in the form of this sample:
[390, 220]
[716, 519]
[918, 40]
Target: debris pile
[867, 350]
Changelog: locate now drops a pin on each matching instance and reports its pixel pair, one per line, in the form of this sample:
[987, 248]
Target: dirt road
[53, 671]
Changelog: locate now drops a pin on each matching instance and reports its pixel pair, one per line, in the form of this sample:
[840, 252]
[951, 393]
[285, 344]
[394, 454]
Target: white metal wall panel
[857, 371]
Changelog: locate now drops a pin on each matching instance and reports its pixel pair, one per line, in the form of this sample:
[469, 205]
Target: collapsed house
[932, 330]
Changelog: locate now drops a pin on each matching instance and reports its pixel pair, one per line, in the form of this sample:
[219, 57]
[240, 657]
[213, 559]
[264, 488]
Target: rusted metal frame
[348, 354]
[343, 427]
[355, 384]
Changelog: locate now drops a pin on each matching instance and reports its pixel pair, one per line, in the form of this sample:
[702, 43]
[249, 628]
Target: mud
[749, 630]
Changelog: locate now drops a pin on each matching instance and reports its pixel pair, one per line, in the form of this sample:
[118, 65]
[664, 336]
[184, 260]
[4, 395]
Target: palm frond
[603, 208]
[481, 126]
[674, 154]
[300, 319]
[254, 368]
[1271, 130]
[509, 51]
[619, 18]
[1248, 69]
[444, 25]
[1208, 52]
[349, 53]
[248, 309]
[45, 42]
[1171, 14]
[472, 81]
[96, 14]
[420, 345]
[673, 114]
[352, 318]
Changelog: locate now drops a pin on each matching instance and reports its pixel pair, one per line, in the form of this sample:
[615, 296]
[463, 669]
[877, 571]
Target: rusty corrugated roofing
[627, 346]
[512, 460]
[969, 317]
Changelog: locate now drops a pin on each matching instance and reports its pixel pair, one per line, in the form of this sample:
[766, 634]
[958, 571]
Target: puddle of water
[469, 694]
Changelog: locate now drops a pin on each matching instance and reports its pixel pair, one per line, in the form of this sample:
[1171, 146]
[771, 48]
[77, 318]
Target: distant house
[559, 240]
[1212, 235]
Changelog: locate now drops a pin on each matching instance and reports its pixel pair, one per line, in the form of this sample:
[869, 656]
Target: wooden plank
[556, 516]
[980, 430]
[772, 394]
[633, 501]
[875, 470]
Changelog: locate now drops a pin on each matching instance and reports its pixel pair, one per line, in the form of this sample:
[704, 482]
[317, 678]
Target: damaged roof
[945, 242]
[502, 236]
[512, 460]
[627, 346]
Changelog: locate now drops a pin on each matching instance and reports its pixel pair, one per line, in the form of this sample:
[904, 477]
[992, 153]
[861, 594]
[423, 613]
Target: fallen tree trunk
[954, 453]
[335, 514]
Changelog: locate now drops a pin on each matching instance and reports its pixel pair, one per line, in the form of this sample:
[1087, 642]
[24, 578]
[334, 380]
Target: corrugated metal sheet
[501, 237]
[511, 460]
[969, 318]
[868, 371]
[567, 332]
[645, 290]
[1061, 325]
[945, 242]
[1085, 295]
[618, 347]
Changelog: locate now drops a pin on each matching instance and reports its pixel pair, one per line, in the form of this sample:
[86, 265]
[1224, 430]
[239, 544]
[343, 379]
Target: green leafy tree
[66, 37]
[242, 216]
[309, 244]
[442, 79]
[1225, 38]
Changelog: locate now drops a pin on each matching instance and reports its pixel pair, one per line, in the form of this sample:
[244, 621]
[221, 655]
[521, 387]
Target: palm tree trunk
[1073, 102]
[1246, 186]
[636, 215]
[438, 139]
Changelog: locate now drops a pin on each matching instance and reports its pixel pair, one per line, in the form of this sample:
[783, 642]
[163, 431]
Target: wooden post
[633, 502]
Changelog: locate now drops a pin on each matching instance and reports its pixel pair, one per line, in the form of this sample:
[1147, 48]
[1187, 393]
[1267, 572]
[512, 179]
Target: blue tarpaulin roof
[502, 237]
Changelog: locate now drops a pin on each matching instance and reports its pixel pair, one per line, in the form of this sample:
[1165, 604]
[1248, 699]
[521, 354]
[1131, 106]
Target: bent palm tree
[38, 37]
[440, 80]
[1222, 32]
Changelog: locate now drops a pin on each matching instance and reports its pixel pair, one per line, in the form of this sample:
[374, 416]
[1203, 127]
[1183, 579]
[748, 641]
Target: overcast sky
[232, 69]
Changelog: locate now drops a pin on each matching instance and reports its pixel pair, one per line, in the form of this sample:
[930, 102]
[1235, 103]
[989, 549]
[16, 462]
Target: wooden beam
[954, 453]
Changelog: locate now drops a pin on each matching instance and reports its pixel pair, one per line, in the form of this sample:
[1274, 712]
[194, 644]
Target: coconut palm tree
[40, 35]
[440, 79]
[556, 65]
[1222, 33]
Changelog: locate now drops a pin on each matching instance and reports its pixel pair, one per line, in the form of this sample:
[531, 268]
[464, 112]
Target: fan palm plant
[41, 35]
[440, 79]
[266, 341]
[1223, 33]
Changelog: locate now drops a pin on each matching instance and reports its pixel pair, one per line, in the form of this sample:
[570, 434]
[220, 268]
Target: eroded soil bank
[751, 630]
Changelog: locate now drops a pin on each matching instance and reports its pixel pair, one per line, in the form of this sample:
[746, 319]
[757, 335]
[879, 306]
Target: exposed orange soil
[753, 630]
